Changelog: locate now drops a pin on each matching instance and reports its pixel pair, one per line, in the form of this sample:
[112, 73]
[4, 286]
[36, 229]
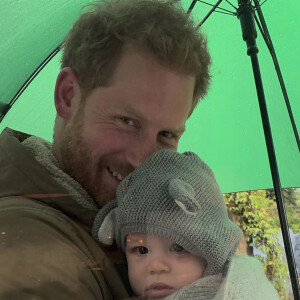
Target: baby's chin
[151, 298]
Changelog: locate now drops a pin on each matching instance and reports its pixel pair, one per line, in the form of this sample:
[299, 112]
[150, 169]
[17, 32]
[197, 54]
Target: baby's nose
[159, 265]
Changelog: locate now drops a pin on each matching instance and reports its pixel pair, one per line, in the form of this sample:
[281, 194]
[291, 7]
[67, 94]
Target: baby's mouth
[159, 289]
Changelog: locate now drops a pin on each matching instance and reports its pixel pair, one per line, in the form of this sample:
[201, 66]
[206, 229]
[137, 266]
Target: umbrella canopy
[225, 129]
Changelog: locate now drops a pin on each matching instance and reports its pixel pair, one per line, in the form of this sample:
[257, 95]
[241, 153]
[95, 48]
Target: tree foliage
[256, 213]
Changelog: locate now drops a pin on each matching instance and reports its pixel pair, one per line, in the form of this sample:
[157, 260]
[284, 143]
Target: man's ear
[67, 93]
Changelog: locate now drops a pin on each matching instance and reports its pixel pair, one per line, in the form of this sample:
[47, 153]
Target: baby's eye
[142, 250]
[176, 248]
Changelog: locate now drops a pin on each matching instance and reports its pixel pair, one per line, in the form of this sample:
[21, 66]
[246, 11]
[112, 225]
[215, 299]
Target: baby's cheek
[187, 276]
[198, 265]
[136, 277]
[190, 269]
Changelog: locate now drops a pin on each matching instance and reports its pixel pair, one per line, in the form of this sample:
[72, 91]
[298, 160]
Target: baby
[170, 218]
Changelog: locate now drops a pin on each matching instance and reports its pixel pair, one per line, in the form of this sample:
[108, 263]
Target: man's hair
[96, 42]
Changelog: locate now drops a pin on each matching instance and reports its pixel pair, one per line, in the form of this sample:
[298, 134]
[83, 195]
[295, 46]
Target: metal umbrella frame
[246, 13]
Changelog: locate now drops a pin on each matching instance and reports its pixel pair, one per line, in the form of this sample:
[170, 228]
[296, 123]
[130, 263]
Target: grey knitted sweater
[245, 280]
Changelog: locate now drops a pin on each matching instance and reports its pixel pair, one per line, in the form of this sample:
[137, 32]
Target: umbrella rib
[231, 4]
[191, 6]
[262, 3]
[225, 13]
[213, 5]
[278, 70]
[28, 81]
[209, 13]
[262, 31]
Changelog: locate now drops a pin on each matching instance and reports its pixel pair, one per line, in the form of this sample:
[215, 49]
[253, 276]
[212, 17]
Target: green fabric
[225, 129]
[46, 243]
[29, 31]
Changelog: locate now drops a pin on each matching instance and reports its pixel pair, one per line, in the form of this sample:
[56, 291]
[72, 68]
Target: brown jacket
[46, 247]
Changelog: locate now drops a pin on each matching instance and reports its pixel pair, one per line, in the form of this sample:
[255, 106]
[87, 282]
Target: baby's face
[158, 267]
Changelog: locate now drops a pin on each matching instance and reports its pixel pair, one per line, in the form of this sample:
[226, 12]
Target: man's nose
[140, 149]
[159, 265]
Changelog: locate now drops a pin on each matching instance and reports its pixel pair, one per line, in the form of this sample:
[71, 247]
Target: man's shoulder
[30, 222]
[9, 133]
[38, 233]
[44, 251]
[25, 204]
[26, 185]
[32, 214]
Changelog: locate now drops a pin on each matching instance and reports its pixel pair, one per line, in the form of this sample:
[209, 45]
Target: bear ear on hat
[184, 196]
[104, 224]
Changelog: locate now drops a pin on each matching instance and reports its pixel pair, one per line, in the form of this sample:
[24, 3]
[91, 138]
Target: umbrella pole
[246, 15]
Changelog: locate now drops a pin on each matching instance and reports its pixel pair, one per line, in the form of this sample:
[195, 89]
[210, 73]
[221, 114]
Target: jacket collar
[23, 176]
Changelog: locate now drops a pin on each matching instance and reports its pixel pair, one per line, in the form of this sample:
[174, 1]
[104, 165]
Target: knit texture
[41, 150]
[245, 280]
[202, 289]
[175, 196]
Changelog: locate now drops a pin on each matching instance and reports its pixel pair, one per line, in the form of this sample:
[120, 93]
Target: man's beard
[78, 161]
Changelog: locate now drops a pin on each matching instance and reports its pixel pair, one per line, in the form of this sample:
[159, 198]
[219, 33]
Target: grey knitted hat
[175, 196]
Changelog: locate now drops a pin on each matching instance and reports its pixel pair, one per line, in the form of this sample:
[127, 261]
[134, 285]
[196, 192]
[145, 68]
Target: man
[132, 72]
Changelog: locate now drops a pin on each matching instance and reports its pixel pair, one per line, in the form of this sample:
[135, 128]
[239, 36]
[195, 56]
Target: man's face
[143, 110]
[157, 267]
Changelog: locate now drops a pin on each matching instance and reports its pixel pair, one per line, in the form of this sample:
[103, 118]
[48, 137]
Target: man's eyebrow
[130, 109]
[178, 131]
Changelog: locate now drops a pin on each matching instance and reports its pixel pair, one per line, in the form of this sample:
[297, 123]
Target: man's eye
[167, 134]
[176, 248]
[127, 121]
[142, 250]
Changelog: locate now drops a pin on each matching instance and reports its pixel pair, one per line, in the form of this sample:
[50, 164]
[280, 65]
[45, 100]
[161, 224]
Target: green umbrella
[225, 130]
[247, 16]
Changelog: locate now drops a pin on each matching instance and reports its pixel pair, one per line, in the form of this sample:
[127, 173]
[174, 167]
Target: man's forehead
[136, 65]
